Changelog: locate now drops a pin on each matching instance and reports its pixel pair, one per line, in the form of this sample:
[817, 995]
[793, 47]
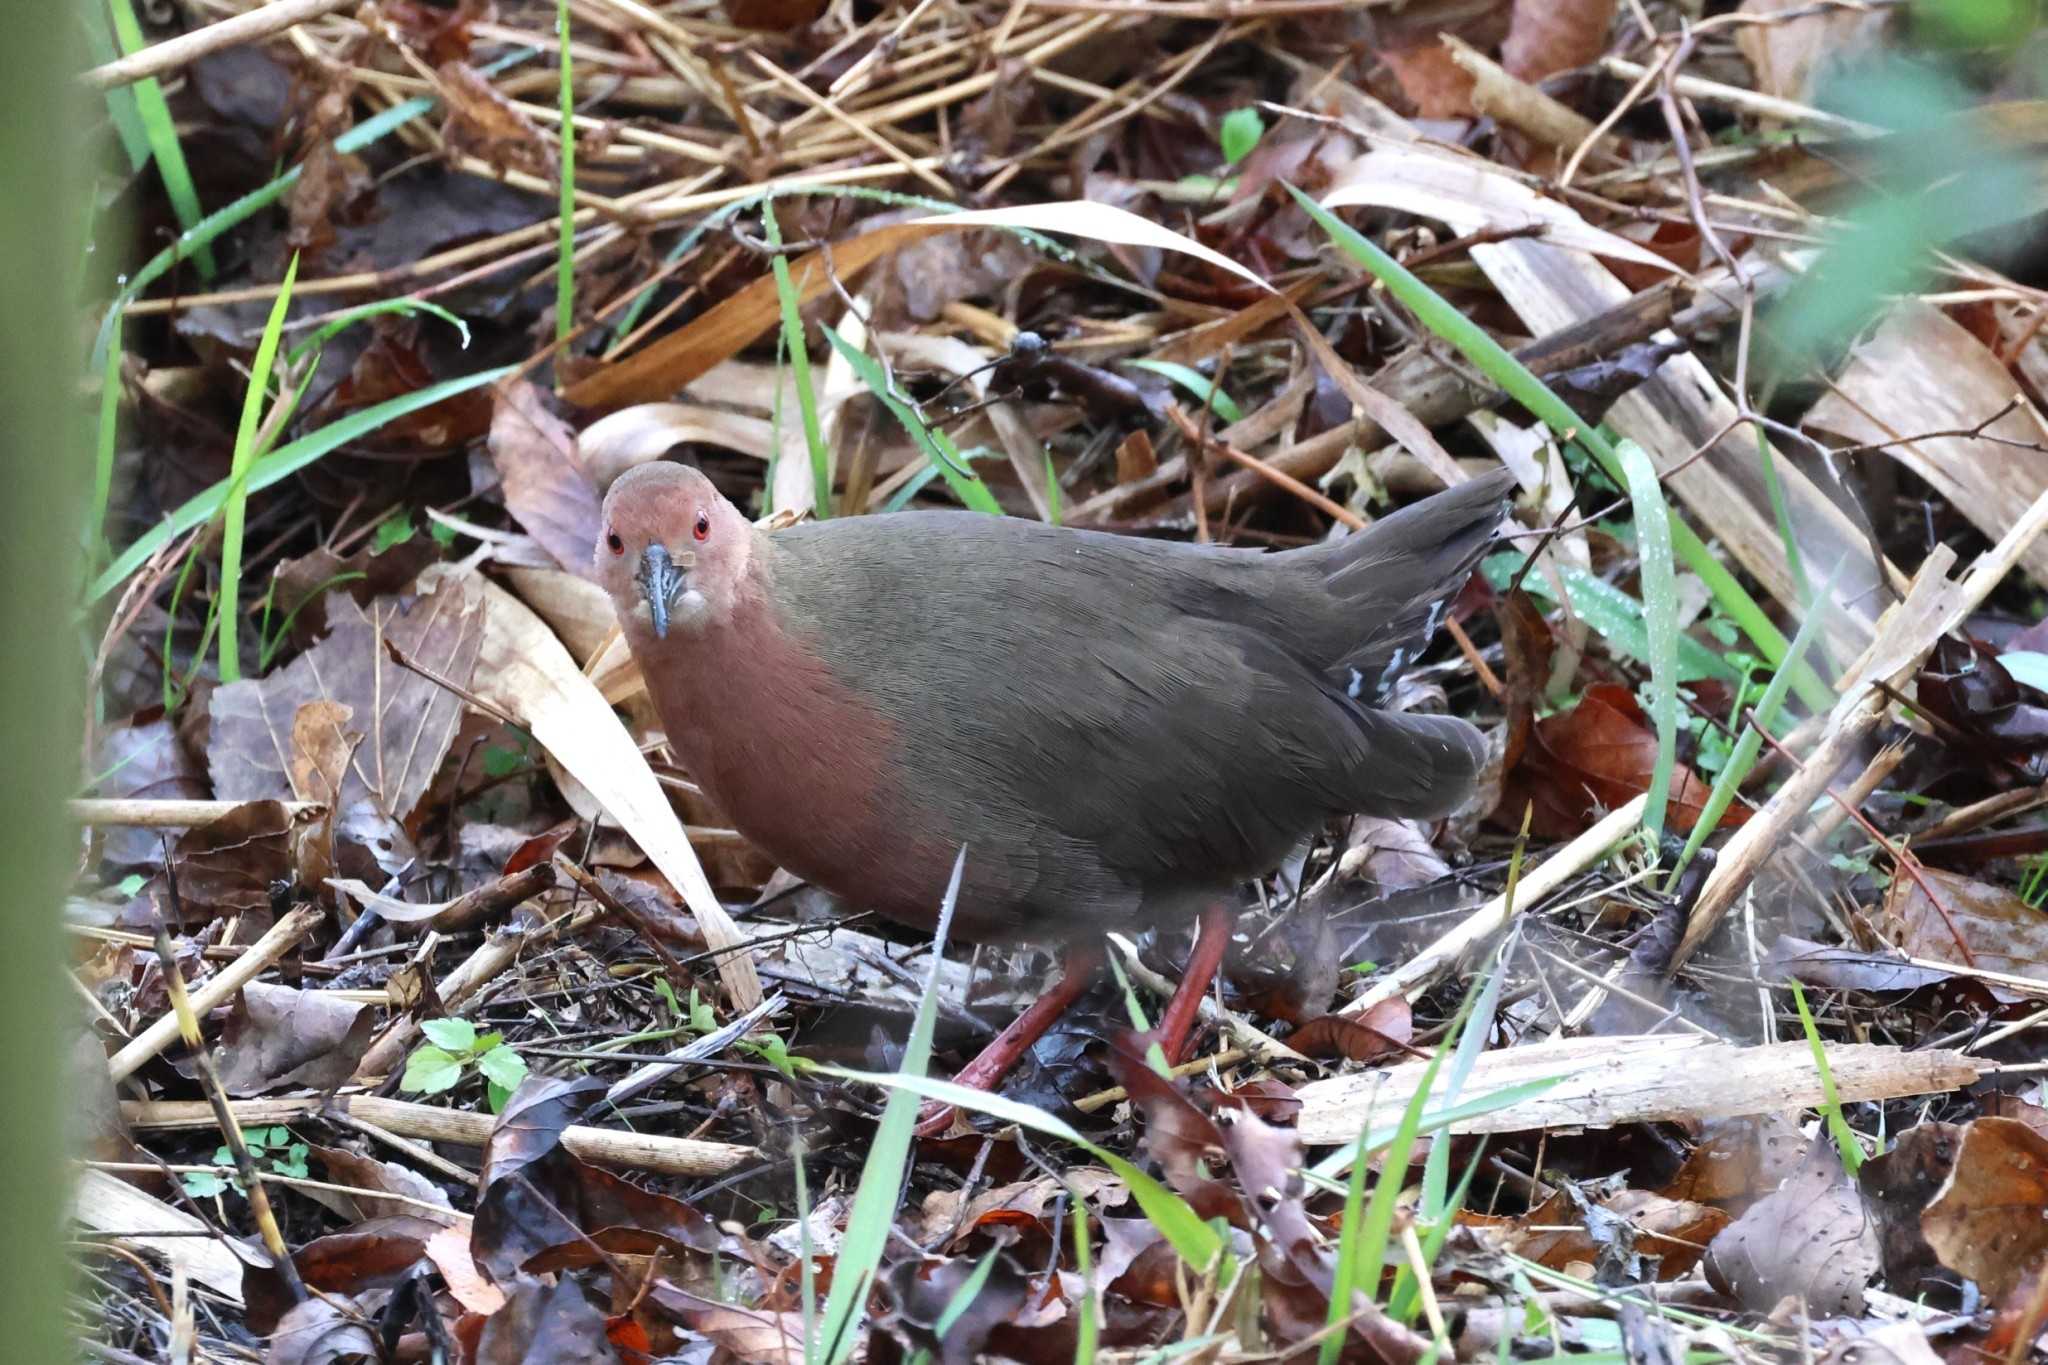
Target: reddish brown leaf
[1382, 1031]
[1595, 757]
[1989, 1221]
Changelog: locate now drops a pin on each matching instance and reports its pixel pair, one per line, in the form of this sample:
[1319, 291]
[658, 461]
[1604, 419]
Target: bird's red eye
[703, 525]
[613, 543]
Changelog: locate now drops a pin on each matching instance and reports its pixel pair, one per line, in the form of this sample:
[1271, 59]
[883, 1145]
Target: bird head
[670, 549]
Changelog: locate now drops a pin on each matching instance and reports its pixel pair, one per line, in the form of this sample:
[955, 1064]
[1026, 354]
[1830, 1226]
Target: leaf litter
[436, 822]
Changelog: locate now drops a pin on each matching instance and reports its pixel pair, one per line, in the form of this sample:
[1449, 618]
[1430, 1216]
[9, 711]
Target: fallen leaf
[1989, 1220]
[546, 487]
[525, 670]
[551, 1321]
[485, 124]
[408, 720]
[1382, 1031]
[2002, 932]
[1790, 57]
[1472, 195]
[231, 862]
[1898, 1185]
[278, 1036]
[1595, 757]
[1807, 1237]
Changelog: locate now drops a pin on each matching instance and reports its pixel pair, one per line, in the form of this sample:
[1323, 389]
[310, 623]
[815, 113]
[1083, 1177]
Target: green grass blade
[1362, 1241]
[882, 1174]
[1620, 621]
[97, 24]
[1208, 394]
[1086, 1328]
[565, 242]
[1515, 379]
[103, 449]
[1831, 1100]
[1197, 1243]
[1326, 1172]
[800, 368]
[348, 317]
[1660, 616]
[963, 1297]
[1749, 743]
[936, 445]
[282, 463]
[161, 132]
[236, 510]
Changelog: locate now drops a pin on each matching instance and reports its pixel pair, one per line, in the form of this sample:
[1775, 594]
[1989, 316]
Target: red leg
[1203, 961]
[1077, 973]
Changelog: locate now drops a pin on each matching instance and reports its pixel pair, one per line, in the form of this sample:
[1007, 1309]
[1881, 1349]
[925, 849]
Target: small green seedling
[393, 531]
[271, 1147]
[453, 1048]
[1239, 132]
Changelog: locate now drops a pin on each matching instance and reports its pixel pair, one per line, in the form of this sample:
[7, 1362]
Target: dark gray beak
[662, 580]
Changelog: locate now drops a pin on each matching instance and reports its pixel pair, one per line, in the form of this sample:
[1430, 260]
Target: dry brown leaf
[229, 863]
[1807, 1237]
[1674, 1231]
[408, 720]
[1922, 371]
[1597, 756]
[546, 487]
[1791, 55]
[1548, 36]
[633, 436]
[486, 124]
[523, 668]
[1990, 1219]
[278, 1037]
[2003, 933]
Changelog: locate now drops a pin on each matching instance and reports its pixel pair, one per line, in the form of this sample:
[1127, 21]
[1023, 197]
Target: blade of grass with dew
[1750, 742]
[280, 464]
[1209, 394]
[236, 510]
[1660, 617]
[1184, 1230]
[565, 233]
[1830, 1098]
[1086, 1328]
[1620, 622]
[335, 323]
[161, 132]
[103, 451]
[1493, 360]
[936, 445]
[800, 367]
[882, 1174]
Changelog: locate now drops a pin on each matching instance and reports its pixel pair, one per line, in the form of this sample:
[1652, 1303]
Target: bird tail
[1400, 573]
